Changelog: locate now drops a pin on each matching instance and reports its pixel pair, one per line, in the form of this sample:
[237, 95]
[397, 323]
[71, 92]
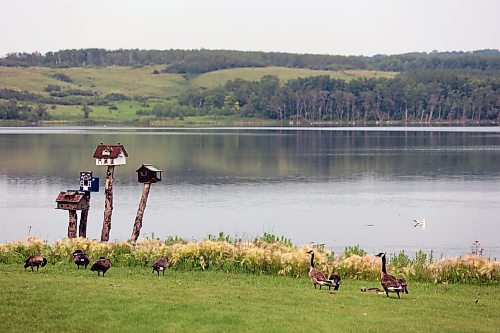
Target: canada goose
[161, 265]
[101, 265]
[317, 277]
[35, 260]
[336, 280]
[81, 258]
[389, 282]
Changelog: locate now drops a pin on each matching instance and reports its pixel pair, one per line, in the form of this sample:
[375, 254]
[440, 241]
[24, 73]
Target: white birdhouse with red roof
[109, 155]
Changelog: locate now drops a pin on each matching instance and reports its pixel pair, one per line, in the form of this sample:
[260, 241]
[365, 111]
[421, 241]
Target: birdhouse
[88, 183]
[110, 154]
[148, 174]
[72, 200]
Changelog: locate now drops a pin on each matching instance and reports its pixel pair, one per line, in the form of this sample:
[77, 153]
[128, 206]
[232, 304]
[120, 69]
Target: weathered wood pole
[73, 217]
[82, 230]
[140, 213]
[108, 204]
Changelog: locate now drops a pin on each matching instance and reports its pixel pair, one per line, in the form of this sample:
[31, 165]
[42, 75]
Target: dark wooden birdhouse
[110, 155]
[148, 174]
[72, 200]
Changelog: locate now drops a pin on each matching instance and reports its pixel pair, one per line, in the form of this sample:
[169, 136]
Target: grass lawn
[60, 298]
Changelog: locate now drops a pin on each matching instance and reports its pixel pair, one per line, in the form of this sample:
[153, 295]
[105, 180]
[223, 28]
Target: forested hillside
[201, 61]
[449, 87]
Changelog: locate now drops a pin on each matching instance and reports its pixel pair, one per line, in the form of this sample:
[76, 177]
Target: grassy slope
[213, 79]
[126, 80]
[62, 298]
[140, 81]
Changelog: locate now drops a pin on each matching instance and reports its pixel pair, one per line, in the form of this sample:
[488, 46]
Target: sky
[335, 27]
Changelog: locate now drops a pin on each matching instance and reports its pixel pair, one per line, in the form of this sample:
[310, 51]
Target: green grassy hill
[213, 79]
[129, 81]
[140, 81]
[135, 82]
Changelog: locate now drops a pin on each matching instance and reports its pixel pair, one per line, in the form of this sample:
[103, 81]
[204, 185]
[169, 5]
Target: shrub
[114, 97]
[62, 77]
[52, 87]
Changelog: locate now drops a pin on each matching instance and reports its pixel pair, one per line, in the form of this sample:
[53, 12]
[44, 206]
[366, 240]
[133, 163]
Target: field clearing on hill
[140, 81]
[130, 81]
[213, 79]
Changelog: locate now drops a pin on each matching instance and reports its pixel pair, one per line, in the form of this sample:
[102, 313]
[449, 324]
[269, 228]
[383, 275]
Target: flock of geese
[102, 264]
[389, 283]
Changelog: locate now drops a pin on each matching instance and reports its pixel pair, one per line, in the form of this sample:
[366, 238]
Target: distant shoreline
[241, 122]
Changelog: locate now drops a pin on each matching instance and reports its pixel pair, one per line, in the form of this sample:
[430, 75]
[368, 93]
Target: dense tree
[11, 110]
[192, 62]
[409, 98]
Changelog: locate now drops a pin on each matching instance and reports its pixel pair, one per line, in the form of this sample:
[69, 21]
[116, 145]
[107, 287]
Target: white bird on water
[420, 223]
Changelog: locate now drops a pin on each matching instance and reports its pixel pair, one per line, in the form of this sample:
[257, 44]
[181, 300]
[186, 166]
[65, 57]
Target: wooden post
[72, 223]
[140, 212]
[108, 207]
[82, 230]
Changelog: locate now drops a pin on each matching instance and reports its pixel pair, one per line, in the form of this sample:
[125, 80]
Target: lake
[337, 186]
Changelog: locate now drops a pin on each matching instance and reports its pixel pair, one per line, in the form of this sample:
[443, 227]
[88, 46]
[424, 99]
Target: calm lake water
[336, 186]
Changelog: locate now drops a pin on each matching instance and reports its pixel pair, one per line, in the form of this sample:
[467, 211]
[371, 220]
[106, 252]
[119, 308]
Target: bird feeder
[146, 174]
[88, 184]
[72, 201]
[109, 155]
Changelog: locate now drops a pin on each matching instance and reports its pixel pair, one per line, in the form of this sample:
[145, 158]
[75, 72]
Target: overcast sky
[343, 27]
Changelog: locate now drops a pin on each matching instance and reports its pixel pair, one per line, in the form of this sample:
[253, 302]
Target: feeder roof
[69, 196]
[149, 167]
[109, 151]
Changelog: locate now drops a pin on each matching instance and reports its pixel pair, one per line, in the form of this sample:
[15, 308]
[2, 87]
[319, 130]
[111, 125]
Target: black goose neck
[384, 270]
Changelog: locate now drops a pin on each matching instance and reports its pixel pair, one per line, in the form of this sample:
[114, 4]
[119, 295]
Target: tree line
[192, 62]
[424, 97]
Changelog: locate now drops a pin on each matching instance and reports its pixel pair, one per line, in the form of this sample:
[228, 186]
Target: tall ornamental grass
[268, 255]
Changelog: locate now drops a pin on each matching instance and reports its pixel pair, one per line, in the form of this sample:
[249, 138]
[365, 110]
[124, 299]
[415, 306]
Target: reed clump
[268, 255]
[468, 269]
